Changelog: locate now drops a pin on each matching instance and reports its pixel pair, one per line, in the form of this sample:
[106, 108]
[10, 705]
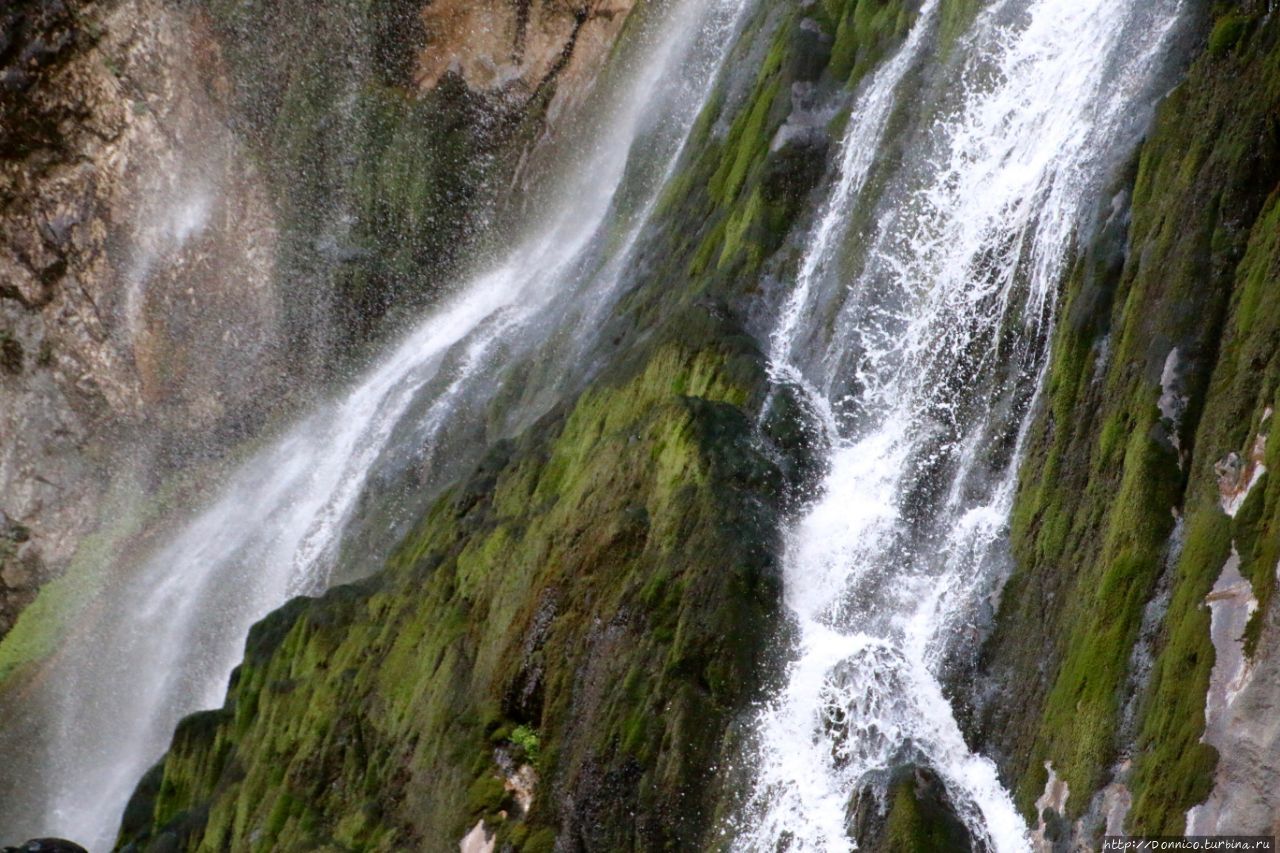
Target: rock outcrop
[571, 607]
[519, 48]
[596, 600]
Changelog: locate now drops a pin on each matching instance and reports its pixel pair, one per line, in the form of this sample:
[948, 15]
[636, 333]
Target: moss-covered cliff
[592, 604]
[1164, 366]
[558, 652]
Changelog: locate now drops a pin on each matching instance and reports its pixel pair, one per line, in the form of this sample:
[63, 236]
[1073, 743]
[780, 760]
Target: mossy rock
[621, 554]
[1107, 473]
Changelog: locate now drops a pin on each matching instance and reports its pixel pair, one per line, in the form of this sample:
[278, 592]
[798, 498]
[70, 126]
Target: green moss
[1173, 770]
[1226, 33]
[542, 841]
[597, 595]
[956, 18]
[46, 622]
[916, 825]
[486, 795]
[866, 31]
[727, 213]
[1102, 477]
[641, 511]
[748, 139]
[1082, 708]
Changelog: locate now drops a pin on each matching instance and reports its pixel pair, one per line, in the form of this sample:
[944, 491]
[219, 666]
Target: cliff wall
[561, 653]
[211, 213]
[1130, 656]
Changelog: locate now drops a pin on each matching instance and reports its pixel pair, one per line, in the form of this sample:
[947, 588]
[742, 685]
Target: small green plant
[527, 739]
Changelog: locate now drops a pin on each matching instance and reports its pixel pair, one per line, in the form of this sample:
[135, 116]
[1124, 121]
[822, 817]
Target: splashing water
[922, 364]
[165, 636]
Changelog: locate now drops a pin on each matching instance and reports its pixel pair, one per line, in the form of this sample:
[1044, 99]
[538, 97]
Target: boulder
[46, 845]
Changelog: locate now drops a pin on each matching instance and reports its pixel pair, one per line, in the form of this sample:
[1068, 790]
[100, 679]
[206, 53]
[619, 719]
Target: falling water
[164, 638]
[920, 342]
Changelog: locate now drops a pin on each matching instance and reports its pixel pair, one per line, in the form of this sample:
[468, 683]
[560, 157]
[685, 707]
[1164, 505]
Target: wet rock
[1052, 829]
[519, 49]
[811, 51]
[919, 816]
[797, 160]
[1227, 729]
[799, 148]
[1173, 397]
[792, 425]
[12, 530]
[22, 570]
[478, 840]
[524, 698]
[11, 354]
[46, 845]
[519, 780]
[1237, 475]
[35, 36]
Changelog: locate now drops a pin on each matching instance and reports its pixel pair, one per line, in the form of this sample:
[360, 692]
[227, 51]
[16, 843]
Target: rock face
[168, 284]
[135, 264]
[518, 49]
[595, 601]
[604, 634]
[394, 156]
[916, 814]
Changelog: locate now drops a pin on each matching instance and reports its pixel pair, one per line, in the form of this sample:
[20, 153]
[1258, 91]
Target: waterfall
[917, 330]
[165, 635]
[920, 341]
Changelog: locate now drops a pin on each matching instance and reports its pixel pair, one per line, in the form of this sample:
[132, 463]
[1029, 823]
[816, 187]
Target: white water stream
[923, 365]
[164, 639]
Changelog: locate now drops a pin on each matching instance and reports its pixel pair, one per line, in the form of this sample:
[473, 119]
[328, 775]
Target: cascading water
[166, 634]
[920, 344]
